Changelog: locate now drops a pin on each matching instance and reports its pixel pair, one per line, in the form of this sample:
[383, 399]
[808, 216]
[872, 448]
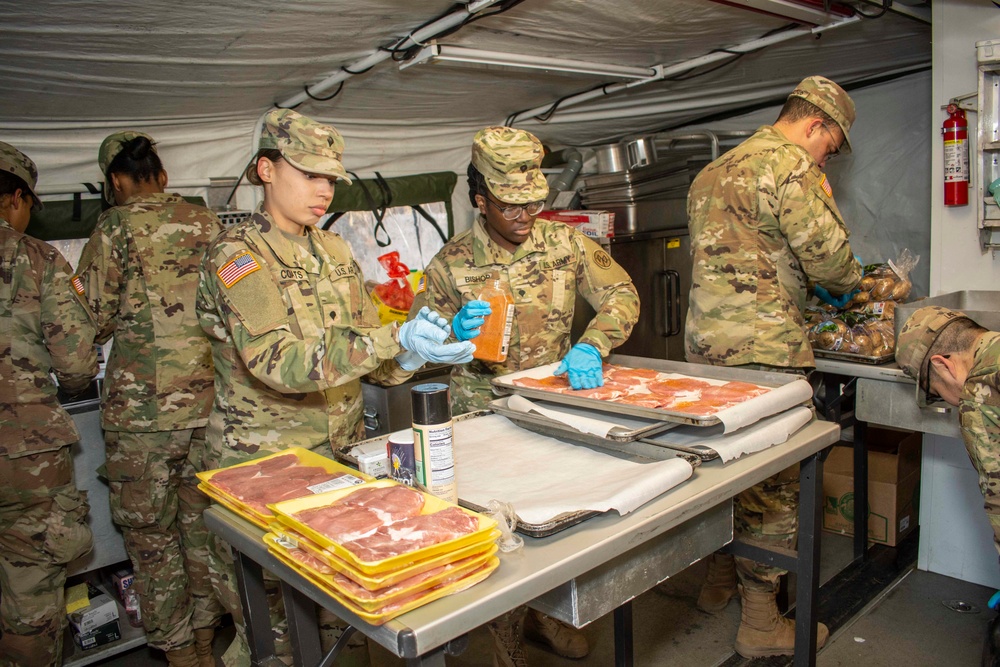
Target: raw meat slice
[411, 534]
[308, 560]
[270, 481]
[342, 523]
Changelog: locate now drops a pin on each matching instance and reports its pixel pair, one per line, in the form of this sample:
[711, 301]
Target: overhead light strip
[443, 53]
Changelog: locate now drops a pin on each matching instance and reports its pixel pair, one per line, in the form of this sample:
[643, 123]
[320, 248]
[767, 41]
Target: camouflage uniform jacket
[543, 276]
[44, 327]
[762, 221]
[979, 412]
[292, 334]
[139, 273]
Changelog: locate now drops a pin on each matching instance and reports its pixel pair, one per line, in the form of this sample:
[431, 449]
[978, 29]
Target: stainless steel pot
[625, 155]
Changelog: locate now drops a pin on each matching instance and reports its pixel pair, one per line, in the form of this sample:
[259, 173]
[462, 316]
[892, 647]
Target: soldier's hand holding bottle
[423, 338]
[468, 320]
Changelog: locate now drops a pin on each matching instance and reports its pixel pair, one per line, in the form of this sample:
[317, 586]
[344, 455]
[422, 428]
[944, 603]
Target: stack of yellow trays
[378, 590]
[249, 487]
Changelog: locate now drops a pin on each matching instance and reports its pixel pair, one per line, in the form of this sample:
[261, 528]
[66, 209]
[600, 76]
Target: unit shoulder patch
[602, 259]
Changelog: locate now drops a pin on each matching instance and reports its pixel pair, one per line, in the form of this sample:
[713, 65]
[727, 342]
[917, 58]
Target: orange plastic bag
[394, 297]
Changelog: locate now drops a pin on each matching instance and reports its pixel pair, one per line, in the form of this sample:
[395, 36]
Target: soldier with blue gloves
[543, 265]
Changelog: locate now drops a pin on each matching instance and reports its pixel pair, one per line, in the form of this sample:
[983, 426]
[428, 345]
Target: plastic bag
[394, 297]
[865, 326]
[503, 514]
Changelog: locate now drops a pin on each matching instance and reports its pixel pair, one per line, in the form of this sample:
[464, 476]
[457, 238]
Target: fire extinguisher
[956, 157]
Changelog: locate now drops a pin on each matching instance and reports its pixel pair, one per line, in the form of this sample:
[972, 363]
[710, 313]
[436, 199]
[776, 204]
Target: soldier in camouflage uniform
[954, 359]
[763, 224]
[43, 516]
[543, 265]
[139, 274]
[293, 329]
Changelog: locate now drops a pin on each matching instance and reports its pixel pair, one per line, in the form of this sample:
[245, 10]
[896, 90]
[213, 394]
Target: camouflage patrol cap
[15, 162]
[832, 99]
[306, 144]
[917, 337]
[110, 148]
[510, 160]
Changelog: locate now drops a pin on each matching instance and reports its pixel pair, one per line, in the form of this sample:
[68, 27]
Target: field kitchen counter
[587, 570]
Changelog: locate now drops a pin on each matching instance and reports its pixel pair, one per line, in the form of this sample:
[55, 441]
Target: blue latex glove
[468, 320]
[836, 301]
[425, 337]
[411, 361]
[584, 367]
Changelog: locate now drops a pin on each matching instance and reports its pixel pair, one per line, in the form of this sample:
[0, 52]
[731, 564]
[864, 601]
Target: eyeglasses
[836, 149]
[514, 212]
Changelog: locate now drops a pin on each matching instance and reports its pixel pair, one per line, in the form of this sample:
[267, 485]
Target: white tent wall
[882, 188]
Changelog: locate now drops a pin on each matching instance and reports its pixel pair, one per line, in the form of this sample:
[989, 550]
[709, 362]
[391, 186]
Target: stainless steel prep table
[588, 570]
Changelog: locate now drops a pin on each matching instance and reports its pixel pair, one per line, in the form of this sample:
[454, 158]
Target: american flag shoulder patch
[77, 285]
[825, 184]
[421, 284]
[237, 269]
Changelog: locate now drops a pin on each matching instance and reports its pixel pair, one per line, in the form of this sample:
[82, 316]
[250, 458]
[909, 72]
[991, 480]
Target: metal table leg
[860, 492]
[256, 615]
[623, 635]
[303, 627]
[807, 560]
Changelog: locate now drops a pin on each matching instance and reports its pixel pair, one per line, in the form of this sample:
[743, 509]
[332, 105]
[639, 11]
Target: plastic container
[286, 511]
[374, 582]
[433, 440]
[493, 340]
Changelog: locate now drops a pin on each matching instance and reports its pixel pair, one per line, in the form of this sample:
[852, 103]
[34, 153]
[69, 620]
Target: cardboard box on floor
[893, 486]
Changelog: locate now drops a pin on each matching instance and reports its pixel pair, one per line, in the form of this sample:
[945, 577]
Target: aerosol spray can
[433, 449]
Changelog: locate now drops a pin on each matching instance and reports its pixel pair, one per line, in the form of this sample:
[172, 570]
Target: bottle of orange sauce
[494, 336]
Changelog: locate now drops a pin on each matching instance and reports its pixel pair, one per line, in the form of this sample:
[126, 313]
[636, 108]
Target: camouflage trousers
[223, 575]
[767, 515]
[985, 457]
[155, 501]
[43, 526]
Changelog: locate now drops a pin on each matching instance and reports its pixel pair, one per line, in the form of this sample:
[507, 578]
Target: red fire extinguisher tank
[956, 157]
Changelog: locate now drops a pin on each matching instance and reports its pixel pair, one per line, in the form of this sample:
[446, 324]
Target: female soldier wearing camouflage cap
[292, 326]
[545, 265]
[139, 274]
[44, 328]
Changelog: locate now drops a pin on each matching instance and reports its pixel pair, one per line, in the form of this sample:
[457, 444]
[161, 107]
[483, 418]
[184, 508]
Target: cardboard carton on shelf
[595, 224]
[88, 608]
[105, 634]
[893, 486]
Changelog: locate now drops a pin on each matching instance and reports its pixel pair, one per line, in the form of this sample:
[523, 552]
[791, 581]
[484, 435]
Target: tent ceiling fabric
[72, 69]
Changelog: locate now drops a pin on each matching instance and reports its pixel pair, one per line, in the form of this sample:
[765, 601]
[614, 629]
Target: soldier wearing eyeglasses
[543, 265]
[764, 225]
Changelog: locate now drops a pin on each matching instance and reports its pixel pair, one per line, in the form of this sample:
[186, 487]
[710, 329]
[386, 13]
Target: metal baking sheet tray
[647, 448]
[765, 379]
[628, 429]
[856, 358]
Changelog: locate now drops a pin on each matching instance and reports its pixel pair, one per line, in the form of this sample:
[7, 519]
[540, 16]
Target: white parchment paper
[544, 478]
[761, 435]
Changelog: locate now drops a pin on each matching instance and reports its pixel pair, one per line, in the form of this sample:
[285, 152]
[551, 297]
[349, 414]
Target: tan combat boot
[560, 638]
[183, 657]
[763, 631]
[507, 649]
[203, 646]
[720, 584]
